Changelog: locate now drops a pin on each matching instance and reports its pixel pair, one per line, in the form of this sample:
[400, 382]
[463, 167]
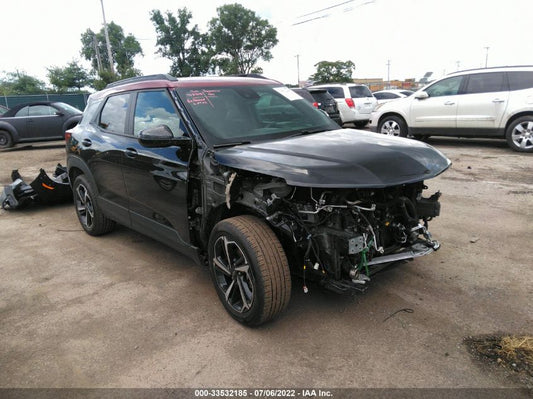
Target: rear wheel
[249, 269]
[519, 134]
[89, 214]
[6, 140]
[393, 126]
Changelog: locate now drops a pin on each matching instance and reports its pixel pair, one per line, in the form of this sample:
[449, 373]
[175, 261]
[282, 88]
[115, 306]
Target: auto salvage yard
[123, 310]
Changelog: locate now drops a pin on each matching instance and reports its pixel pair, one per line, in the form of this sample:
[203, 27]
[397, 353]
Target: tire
[6, 140]
[519, 134]
[249, 269]
[393, 126]
[89, 214]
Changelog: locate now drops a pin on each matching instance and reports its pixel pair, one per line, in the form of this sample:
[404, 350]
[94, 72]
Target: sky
[388, 39]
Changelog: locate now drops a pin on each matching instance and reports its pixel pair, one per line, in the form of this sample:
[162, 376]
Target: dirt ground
[125, 311]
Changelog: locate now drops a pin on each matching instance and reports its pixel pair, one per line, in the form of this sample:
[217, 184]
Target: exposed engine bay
[342, 236]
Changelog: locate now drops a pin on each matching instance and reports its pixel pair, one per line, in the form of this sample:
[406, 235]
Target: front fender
[9, 128]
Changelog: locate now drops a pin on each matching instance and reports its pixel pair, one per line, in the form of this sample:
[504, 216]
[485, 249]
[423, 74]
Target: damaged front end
[340, 237]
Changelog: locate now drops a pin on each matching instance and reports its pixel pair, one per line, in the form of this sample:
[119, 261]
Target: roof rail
[492, 67]
[249, 75]
[136, 79]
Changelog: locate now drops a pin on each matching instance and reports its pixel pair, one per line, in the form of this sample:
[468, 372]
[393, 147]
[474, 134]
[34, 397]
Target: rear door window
[520, 80]
[485, 83]
[114, 114]
[360, 92]
[337, 92]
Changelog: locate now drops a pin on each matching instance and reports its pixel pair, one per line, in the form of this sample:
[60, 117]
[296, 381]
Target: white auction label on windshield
[288, 93]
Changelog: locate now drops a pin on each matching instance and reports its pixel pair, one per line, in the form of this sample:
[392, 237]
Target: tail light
[315, 104]
[349, 102]
[68, 135]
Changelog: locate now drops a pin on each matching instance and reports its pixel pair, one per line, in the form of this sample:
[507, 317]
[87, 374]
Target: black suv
[246, 177]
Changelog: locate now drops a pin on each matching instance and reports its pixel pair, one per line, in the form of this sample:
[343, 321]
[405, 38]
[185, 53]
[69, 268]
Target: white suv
[355, 101]
[490, 102]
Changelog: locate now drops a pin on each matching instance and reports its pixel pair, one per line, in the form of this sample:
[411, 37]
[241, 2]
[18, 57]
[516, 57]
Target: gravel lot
[125, 311]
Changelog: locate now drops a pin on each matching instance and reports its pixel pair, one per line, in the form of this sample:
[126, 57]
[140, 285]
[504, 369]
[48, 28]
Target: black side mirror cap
[161, 136]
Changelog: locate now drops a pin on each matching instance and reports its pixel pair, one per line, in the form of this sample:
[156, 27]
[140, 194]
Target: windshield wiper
[223, 145]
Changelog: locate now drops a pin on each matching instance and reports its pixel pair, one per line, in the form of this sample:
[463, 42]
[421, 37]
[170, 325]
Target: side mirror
[59, 113]
[161, 136]
[421, 95]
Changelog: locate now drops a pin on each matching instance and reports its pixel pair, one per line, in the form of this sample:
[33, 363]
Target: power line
[327, 8]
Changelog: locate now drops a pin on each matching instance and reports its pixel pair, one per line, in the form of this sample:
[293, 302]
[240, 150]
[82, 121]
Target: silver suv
[355, 101]
[490, 102]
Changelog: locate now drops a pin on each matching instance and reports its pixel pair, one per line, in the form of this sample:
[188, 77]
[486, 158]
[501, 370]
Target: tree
[15, 83]
[70, 77]
[185, 46]
[333, 72]
[123, 48]
[240, 39]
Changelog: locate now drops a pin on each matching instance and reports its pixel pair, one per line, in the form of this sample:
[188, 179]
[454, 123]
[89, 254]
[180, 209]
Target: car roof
[167, 81]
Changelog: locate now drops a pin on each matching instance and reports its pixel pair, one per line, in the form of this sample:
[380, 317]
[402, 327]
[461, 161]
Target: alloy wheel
[391, 128]
[84, 206]
[522, 135]
[233, 274]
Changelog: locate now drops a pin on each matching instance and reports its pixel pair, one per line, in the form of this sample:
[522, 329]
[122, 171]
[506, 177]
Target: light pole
[109, 52]
[388, 74]
[486, 56]
[298, 68]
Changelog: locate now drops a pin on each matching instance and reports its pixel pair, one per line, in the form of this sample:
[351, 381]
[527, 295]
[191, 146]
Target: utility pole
[109, 52]
[97, 52]
[458, 64]
[388, 74]
[486, 56]
[298, 68]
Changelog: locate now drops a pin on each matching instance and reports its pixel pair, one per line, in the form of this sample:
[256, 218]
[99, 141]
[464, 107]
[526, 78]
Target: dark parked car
[327, 103]
[37, 121]
[246, 177]
[321, 99]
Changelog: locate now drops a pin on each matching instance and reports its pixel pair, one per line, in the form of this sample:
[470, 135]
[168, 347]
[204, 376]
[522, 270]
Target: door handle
[86, 142]
[498, 100]
[449, 103]
[130, 152]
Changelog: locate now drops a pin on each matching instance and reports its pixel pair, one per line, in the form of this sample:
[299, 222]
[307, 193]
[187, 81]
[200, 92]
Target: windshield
[68, 108]
[251, 113]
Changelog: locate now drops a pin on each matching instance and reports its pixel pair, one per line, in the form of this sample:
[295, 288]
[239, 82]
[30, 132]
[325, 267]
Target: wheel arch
[513, 118]
[76, 167]
[11, 130]
[393, 113]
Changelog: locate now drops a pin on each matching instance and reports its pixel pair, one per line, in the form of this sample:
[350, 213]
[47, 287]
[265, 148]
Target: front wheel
[519, 134]
[393, 126]
[249, 269]
[6, 140]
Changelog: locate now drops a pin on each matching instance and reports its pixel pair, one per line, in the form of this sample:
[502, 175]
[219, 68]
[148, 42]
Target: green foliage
[240, 39]
[15, 83]
[72, 77]
[333, 72]
[123, 48]
[185, 46]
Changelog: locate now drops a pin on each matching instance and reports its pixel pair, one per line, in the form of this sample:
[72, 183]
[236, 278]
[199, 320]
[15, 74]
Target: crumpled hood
[339, 158]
